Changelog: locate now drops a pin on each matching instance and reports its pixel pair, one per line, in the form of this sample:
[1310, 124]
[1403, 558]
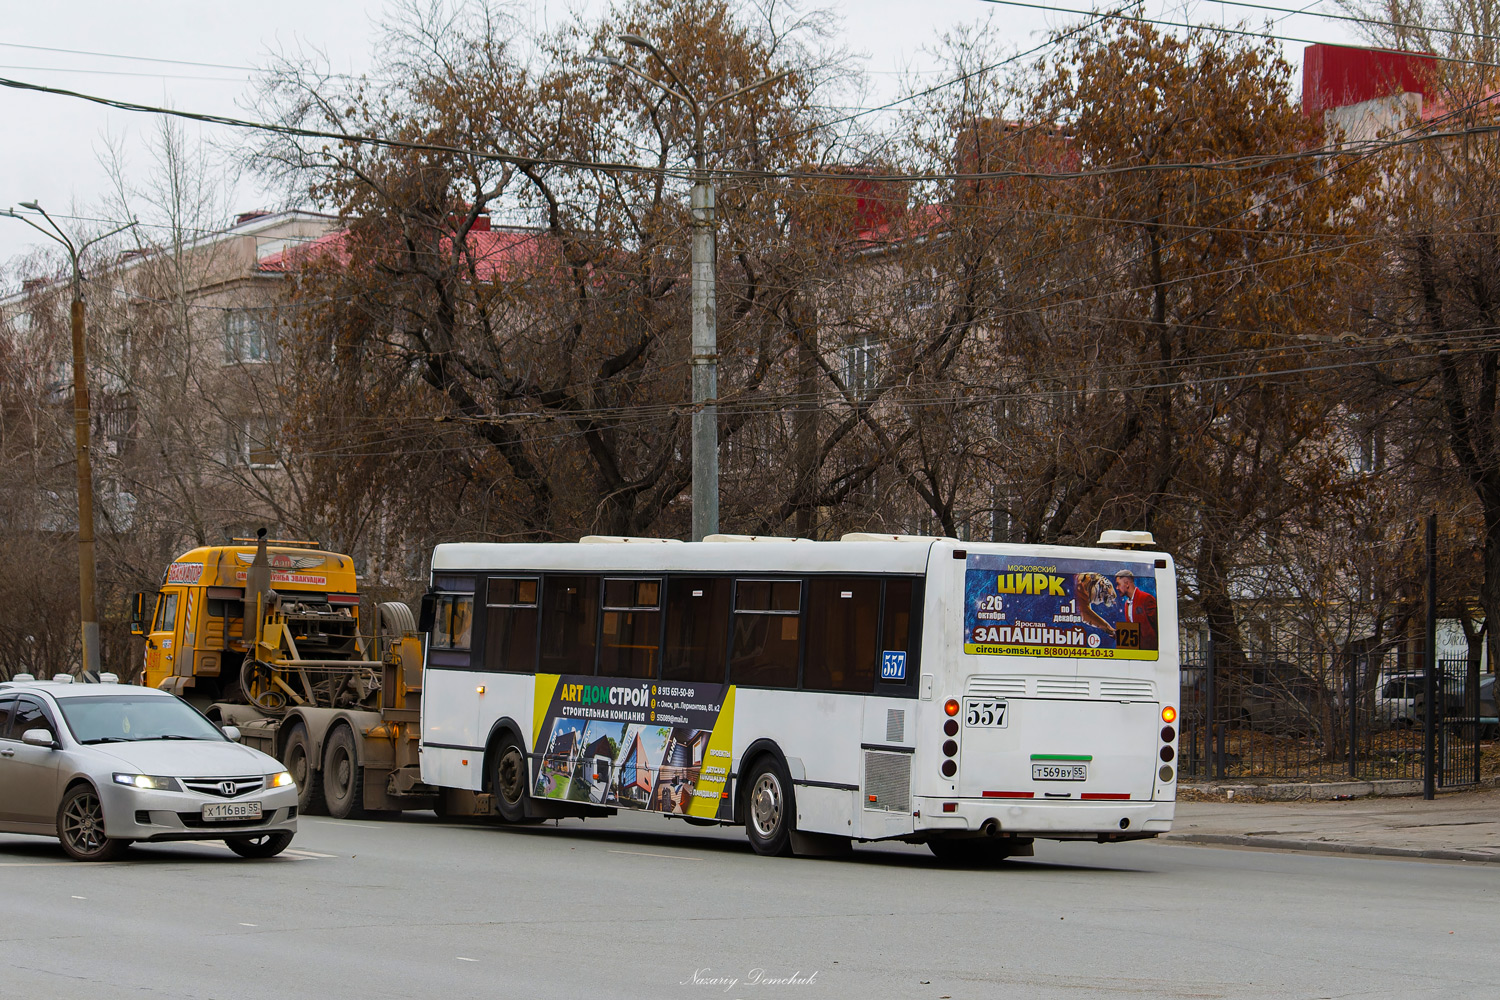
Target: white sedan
[100, 766]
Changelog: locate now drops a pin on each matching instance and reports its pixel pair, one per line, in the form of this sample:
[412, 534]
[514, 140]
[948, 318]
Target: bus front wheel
[508, 781]
[770, 808]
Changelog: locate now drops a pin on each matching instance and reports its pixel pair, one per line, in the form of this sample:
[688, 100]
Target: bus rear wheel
[770, 808]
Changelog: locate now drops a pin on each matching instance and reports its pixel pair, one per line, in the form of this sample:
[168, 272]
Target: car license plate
[1059, 772]
[231, 810]
[985, 714]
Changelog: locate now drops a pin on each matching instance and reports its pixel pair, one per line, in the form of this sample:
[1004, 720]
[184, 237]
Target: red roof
[495, 252]
[1336, 76]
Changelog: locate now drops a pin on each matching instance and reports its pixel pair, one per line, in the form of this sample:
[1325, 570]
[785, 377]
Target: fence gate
[1461, 721]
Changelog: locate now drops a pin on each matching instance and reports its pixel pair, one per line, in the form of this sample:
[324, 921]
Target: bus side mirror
[428, 613]
[138, 614]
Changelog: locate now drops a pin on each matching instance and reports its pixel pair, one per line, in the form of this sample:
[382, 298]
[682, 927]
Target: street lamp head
[31, 205]
[603, 61]
[636, 40]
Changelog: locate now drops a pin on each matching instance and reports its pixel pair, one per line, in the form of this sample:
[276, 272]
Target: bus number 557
[990, 714]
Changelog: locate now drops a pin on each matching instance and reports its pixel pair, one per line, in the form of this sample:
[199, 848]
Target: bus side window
[570, 624]
[843, 614]
[767, 633]
[510, 624]
[697, 628]
[899, 631]
[454, 622]
[631, 627]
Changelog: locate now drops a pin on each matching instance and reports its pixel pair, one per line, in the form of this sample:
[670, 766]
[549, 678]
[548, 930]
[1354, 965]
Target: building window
[252, 443]
[248, 336]
[861, 364]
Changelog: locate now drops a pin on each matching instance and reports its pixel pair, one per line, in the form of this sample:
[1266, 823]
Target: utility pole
[705, 350]
[88, 613]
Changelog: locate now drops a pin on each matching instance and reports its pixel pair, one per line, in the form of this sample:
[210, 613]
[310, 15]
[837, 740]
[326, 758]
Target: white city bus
[969, 695]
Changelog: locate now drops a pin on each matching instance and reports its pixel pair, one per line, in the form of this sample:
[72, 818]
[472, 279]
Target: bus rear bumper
[1051, 819]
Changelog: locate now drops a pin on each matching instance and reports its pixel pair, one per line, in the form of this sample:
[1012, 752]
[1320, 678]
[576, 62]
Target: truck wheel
[298, 758]
[343, 778]
[508, 781]
[770, 809]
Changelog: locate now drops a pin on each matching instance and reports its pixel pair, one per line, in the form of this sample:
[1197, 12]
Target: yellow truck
[267, 636]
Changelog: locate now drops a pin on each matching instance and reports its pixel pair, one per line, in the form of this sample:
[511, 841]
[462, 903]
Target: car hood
[189, 758]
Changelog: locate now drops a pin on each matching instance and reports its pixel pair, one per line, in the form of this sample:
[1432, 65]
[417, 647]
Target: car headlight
[279, 780]
[148, 781]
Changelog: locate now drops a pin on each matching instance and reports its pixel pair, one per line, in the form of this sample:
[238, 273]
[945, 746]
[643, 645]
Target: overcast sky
[51, 143]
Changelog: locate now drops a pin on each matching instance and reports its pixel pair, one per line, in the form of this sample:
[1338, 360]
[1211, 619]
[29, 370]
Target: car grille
[224, 788]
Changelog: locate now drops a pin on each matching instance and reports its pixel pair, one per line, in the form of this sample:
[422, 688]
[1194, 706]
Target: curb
[1325, 791]
[1327, 847]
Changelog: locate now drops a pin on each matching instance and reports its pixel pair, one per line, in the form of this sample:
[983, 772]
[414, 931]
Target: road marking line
[669, 857]
[243, 924]
[309, 854]
[80, 897]
[462, 959]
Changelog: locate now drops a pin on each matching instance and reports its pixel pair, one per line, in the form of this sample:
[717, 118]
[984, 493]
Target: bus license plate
[985, 714]
[1059, 772]
[231, 810]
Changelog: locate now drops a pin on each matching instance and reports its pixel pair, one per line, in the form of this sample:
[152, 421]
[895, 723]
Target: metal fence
[1304, 713]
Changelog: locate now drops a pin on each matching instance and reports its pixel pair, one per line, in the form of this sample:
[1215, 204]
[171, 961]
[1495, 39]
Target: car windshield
[128, 718]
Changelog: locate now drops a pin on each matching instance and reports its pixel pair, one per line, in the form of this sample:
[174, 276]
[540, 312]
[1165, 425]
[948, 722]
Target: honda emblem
[227, 788]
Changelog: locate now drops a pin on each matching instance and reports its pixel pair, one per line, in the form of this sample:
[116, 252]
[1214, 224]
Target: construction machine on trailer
[268, 636]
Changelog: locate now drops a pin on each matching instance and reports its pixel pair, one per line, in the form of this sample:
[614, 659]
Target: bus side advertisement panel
[635, 744]
[1087, 608]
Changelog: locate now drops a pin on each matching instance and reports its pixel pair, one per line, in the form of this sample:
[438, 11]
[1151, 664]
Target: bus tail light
[1166, 773]
[1167, 753]
[949, 807]
[1168, 714]
[949, 768]
[951, 706]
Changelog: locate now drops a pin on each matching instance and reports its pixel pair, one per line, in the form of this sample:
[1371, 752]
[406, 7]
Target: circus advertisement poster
[634, 744]
[1087, 608]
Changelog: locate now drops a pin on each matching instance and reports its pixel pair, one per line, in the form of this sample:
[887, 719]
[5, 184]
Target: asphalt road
[642, 906]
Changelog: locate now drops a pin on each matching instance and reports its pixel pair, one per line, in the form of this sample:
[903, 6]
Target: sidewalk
[1458, 826]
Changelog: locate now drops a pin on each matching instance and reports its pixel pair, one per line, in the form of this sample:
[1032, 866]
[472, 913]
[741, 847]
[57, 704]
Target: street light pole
[705, 349]
[88, 613]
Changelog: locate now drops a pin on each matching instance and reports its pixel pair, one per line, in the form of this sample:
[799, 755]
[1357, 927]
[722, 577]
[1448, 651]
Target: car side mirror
[233, 732]
[39, 738]
[428, 613]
